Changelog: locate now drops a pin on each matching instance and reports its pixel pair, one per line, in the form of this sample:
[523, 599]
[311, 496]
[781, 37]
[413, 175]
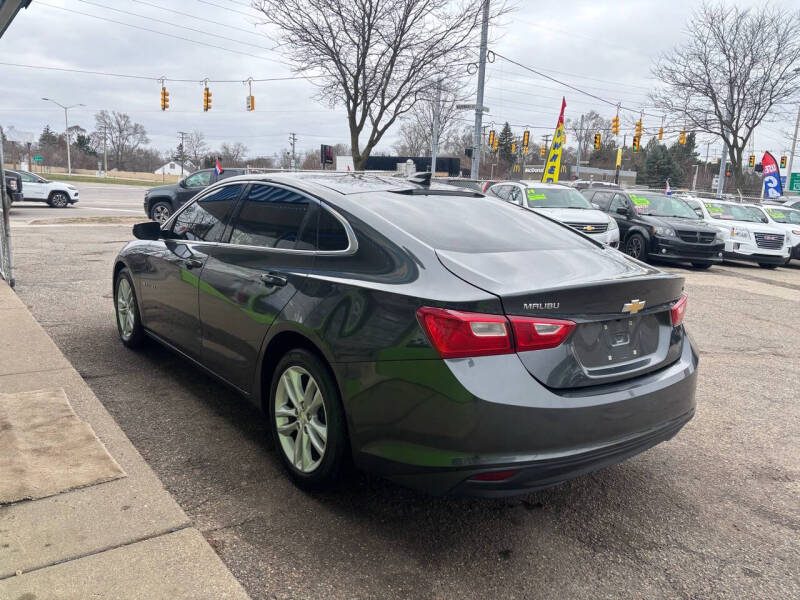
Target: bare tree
[416, 128]
[123, 136]
[734, 68]
[195, 146]
[232, 154]
[377, 57]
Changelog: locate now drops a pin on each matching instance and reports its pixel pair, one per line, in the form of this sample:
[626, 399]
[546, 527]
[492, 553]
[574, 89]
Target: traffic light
[164, 99]
[491, 138]
[597, 141]
[682, 138]
[636, 143]
[496, 143]
[660, 134]
[615, 125]
[752, 161]
[513, 148]
[543, 151]
[206, 99]
[251, 103]
[783, 162]
[639, 128]
[526, 137]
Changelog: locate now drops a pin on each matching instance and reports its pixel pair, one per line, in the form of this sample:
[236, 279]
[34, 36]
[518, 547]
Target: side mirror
[182, 183]
[147, 231]
[621, 210]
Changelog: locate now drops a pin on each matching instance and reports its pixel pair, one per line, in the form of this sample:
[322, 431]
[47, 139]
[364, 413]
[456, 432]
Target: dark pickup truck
[13, 186]
[161, 202]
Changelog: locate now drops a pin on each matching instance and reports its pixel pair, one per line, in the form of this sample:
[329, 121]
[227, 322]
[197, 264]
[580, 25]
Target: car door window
[28, 178]
[206, 218]
[331, 235]
[619, 201]
[603, 200]
[199, 179]
[501, 191]
[270, 217]
[515, 195]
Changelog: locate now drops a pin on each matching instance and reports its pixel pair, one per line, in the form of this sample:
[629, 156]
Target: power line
[200, 31]
[185, 39]
[226, 8]
[148, 78]
[205, 20]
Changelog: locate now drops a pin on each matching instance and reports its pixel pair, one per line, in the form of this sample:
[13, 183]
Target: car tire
[767, 266]
[702, 265]
[58, 200]
[304, 403]
[160, 212]
[126, 309]
[636, 246]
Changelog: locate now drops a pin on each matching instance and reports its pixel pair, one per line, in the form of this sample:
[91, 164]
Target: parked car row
[35, 188]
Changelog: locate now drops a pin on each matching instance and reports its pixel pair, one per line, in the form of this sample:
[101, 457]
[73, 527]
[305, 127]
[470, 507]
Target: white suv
[747, 231]
[787, 219]
[562, 203]
[38, 189]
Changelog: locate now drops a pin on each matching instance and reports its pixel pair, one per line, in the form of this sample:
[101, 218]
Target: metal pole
[791, 154]
[293, 139]
[435, 135]
[183, 150]
[6, 256]
[723, 160]
[105, 153]
[66, 132]
[580, 143]
[694, 181]
[476, 136]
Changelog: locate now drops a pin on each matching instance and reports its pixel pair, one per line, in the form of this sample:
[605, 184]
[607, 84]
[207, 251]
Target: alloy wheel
[59, 200]
[635, 247]
[301, 419]
[126, 308]
[160, 213]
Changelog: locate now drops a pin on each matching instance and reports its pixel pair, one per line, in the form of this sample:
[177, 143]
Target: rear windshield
[784, 215]
[472, 225]
[660, 205]
[556, 198]
[733, 212]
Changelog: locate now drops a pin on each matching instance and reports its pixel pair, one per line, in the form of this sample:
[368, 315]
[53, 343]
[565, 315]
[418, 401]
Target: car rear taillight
[457, 334]
[678, 311]
[533, 333]
[495, 475]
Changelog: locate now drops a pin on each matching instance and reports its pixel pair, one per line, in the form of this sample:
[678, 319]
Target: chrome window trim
[352, 241]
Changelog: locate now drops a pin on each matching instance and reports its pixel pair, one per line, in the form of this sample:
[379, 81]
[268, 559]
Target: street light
[66, 128]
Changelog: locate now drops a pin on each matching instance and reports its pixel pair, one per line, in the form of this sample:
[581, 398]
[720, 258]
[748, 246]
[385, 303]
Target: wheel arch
[152, 201]
[640, 230]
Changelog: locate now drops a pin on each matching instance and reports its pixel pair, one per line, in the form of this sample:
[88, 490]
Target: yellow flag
[553, 164]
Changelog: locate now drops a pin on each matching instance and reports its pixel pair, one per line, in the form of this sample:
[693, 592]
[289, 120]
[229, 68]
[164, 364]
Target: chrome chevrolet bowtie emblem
[634, 306]
[590, 228]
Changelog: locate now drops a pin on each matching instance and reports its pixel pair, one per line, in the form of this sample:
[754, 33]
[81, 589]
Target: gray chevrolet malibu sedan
[449, 341]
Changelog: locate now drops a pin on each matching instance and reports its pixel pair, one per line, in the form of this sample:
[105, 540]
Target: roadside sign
[38, 159]
[471, 107]
[794, 182]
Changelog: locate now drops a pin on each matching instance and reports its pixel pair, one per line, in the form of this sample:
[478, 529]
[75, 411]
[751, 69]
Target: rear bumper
[434, 433]
[677, 249]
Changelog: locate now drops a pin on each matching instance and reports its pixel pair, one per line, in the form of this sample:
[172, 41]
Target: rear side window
[270, 217]
[205, 219]
[330, 233]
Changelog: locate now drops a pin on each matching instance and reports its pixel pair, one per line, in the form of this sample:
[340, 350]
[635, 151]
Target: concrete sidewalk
[123, 539]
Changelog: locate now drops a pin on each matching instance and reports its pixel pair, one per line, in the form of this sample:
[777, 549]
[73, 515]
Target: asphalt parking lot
[714, 513]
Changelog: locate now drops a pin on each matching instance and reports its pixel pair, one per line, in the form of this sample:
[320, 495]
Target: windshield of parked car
[733, 212]
[556, 198]
[659, 205]
[784, 215]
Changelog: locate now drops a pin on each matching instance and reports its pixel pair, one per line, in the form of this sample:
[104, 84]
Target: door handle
[193, 263]
[273, 278]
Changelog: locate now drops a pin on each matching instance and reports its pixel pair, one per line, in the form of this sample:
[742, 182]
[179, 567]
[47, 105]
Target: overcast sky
[604, 47]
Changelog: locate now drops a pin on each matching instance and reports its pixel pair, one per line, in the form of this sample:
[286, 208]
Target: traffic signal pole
[578, 160]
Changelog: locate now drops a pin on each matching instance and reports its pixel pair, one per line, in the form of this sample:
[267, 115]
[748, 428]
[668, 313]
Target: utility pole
[723, 161]
[183, 152]
[66, 128]
[476, 136]
[578, 160]
[546, 139]
[105, 154]
[293, 141]
[694, 181]
[435, 136]
[791, 154]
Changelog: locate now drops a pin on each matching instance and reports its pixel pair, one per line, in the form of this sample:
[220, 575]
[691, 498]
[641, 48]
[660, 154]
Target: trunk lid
[600, 289]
